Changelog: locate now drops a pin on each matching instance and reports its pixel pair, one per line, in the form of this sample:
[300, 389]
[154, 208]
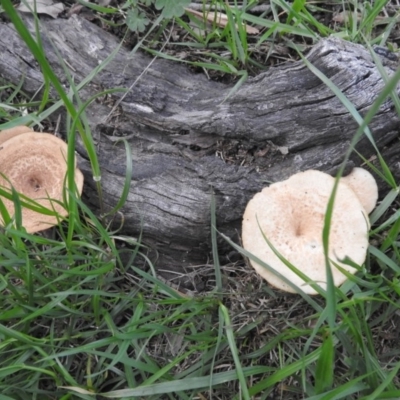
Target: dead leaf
[75, 9]
[345, 16]
[42, 7]
[84, 12]
[220, 19]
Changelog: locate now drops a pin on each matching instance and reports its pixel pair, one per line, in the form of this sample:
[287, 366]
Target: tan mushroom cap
[291, 215]
[35, 165]
[364, 186]
[7, 134]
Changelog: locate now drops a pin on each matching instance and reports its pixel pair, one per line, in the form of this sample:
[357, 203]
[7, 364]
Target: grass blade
[232, 344]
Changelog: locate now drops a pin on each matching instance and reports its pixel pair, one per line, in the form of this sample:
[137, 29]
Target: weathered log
[189, 138]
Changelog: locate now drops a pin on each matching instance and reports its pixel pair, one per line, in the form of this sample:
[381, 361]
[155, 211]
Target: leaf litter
[42, 7]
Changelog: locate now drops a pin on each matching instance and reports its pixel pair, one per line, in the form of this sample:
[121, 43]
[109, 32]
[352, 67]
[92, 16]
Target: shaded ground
[175, 41]
[272, 316]
[265, 319]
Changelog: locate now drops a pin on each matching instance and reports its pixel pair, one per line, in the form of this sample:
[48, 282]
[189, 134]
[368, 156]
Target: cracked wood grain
[179, 128]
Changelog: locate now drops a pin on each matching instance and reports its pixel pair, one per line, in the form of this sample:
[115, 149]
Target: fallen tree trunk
[189, 138]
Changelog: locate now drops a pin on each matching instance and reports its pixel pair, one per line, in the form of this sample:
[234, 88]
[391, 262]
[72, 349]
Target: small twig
[199, 6]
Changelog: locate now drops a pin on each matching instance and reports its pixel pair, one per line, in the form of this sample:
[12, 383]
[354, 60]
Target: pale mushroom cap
[364, 186]
[7, 134]
[35, 164]
[291, 215]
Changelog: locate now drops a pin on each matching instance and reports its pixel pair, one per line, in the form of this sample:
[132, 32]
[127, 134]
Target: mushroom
[10, 133]
[291, 216]
[35, 165]
[364, 186]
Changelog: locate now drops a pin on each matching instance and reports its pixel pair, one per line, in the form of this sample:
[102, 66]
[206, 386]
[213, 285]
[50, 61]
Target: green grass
[82, 319]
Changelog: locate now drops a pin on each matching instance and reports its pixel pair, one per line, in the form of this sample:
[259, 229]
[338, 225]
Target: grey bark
[189, 138]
